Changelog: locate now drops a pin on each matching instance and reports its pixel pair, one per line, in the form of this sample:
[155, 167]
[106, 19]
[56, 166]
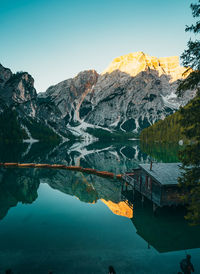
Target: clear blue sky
[55, 39]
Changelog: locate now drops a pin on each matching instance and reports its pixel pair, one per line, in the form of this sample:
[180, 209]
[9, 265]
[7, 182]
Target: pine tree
[190, 122]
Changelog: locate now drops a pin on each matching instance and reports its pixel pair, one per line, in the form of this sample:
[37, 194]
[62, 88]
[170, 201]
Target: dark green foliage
[12, 152]
[191, 56]
[190, 158]
[10, 130]
[73, 123]
[168, 130]
[167, 153]
[190, 121]
[66, 134]
[190, 82]
[41, 132]
[105, 135]
[39, 150]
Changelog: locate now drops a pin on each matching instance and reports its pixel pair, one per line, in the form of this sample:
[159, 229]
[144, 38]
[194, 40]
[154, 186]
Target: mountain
[170, 129]
[18, 106]
[135, 91]
[17, 90]
[60, 105]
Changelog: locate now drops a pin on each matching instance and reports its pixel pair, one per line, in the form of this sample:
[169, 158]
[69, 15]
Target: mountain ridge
[135, 91]
[134, 63]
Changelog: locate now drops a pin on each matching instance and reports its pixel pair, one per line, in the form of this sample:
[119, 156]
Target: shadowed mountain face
[17, 91]
[122, 102]
[18, 107]
[132, 93]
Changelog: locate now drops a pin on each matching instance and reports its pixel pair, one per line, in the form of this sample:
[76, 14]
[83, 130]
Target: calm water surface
[70, 222]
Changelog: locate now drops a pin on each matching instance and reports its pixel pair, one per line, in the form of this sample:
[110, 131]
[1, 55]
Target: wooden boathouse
[157, 182]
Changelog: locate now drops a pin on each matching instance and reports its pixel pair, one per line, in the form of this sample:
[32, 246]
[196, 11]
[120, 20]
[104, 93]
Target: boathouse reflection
[166, 231]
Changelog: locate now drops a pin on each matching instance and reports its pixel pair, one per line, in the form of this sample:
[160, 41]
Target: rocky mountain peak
[134, 63]
[73, 86]
[19, 88]
[60, 104]
[5, 75]
[17, 91]
[85, 80]
[135, 91]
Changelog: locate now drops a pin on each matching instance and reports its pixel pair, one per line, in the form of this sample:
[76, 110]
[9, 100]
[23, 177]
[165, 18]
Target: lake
[69, 222]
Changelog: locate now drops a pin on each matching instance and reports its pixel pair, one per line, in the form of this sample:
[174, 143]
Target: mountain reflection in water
[122, 208]
[21, 185]
[106, 225]
[168, 231]
[114, 157]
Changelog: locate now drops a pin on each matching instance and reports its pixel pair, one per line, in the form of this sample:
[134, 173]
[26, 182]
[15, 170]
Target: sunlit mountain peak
[134, 63]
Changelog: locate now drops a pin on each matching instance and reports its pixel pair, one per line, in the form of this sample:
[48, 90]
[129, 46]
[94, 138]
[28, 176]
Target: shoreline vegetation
[160, 151]
[185, 124]
[171, 129]
[13, 132]
[168, 130]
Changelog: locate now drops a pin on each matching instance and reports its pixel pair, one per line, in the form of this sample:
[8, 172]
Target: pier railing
[128, 177]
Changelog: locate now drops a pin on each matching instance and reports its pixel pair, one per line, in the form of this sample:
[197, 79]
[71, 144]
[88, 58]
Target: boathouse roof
[164, 173]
